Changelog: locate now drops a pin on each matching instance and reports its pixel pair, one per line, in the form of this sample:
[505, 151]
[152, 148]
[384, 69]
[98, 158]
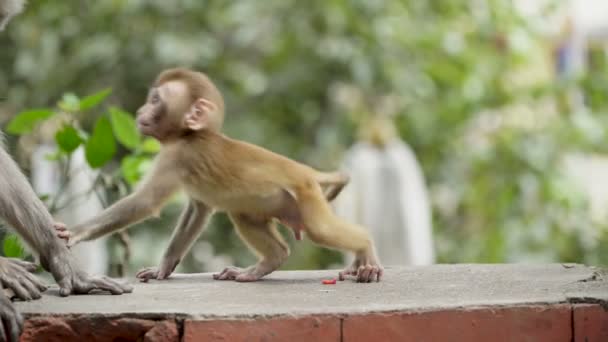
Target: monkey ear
[198, 116]
[205, 105]
[195, 119]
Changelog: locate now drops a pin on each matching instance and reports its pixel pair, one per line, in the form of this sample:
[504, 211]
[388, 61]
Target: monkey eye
[154, 98]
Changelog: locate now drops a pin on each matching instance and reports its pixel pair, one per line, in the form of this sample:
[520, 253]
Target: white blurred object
[83, 204]
[387, 195]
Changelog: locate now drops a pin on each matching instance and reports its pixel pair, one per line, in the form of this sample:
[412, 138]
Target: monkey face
[161, 116]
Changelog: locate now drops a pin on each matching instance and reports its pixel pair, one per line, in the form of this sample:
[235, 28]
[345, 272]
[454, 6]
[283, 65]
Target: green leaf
[100, 147]
[150, 145]
[69, 102]
[12, 246]
[131, 168]
[68, 139]
[125, 128]
[94, 99]
[24, 122]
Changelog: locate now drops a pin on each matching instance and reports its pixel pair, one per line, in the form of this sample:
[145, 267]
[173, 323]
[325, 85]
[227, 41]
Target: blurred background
[475, 131]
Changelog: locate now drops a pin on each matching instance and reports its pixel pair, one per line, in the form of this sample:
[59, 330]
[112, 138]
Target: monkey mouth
[143, 125]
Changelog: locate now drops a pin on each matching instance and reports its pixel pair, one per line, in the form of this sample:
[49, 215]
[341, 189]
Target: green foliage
[132, 168]
[150, 145]
[12, 247]
[68, 139]
[24, 122]
[94, 99]
[101, 146]
[124, 128]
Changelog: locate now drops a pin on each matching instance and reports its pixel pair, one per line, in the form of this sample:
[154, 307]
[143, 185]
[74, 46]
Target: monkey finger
[31, 288]
[65, 234]
[34, 281]
[37, 282]
[29, 266]
[60, 226]
[366, 273]
[19, 290]
[361, 274]
[229, 273]
[379, 275]
[107, 284]
[342, 275]
[146, 272]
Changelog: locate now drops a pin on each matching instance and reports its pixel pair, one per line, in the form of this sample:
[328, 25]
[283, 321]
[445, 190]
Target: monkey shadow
[54, 292]
[207, 278]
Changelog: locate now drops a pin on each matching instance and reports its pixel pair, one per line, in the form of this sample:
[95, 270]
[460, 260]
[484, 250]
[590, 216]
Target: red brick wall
[565, 322]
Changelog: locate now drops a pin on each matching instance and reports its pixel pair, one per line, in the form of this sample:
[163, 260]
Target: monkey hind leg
[327, 229]
[263, 238]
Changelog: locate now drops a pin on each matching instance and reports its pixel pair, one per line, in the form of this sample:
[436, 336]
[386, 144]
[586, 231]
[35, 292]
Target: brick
[530, 323]
[590, 323]
[165, 331]
[312, 328]
[47, 329]
[92, 328]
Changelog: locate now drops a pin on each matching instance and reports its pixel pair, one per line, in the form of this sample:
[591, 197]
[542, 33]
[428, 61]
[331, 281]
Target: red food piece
[329, 281]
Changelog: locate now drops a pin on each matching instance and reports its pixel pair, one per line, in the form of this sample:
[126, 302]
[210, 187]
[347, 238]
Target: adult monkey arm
[24, 212]
[21, 208]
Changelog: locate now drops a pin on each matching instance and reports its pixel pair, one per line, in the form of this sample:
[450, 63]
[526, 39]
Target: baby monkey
[257, 188]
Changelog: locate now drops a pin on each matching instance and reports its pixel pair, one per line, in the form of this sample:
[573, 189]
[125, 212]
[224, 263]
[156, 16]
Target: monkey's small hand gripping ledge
[295, 304]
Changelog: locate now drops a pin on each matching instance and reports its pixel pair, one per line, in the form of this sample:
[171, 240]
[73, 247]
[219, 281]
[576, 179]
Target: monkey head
[181, 102]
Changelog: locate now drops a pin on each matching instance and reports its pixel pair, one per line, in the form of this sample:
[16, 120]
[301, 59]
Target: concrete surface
[301, 292]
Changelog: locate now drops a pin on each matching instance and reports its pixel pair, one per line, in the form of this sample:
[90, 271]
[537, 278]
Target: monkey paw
[16, 275]
[167, 266]
[239, 274]
[148, 273]
[62, 231]
[365, 273]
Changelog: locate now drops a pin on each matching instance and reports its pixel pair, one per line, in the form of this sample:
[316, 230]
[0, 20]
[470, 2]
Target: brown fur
[256, 187]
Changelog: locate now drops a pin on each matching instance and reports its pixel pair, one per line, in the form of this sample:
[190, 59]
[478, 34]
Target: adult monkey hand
[71, 279]
[15, 275]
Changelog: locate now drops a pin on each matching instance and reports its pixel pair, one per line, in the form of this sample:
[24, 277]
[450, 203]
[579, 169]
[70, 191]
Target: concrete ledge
[455, 302]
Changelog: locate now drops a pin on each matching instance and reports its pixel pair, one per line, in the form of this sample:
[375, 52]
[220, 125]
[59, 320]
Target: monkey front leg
[123, 213]
[190, 225]
[146, 201]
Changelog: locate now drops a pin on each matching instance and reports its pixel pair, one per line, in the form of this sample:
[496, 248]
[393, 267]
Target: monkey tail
[332, 183]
